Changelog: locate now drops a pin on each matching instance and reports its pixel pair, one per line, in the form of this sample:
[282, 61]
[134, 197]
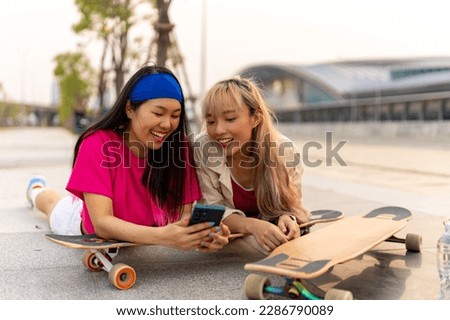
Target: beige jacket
[215, 176]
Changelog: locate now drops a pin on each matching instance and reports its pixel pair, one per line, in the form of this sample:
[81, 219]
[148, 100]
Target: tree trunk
[101, 79]
[119, 66]
[163, 28]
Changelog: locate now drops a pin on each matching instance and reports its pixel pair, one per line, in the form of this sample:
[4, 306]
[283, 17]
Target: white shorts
[66, 216]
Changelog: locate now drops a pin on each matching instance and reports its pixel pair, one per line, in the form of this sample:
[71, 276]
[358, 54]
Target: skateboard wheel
[122, 276]
[337, 294]
[91, 262]
[254, 287]
[413, 242]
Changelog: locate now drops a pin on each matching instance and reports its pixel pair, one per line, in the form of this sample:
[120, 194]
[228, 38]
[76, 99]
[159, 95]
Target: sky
[238, 33]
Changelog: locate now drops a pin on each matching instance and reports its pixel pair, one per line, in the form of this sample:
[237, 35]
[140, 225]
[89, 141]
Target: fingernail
[203, 244]
[211, 234]
[218, 229]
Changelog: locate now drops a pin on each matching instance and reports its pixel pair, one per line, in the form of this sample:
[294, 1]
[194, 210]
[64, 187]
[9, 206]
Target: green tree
[74, 74]
[109, 21]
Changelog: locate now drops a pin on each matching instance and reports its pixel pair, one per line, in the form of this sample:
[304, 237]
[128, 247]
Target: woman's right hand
[219, 239]
[268, 235]
[180, 235]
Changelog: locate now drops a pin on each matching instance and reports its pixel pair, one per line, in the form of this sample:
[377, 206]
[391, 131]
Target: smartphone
[206, 213]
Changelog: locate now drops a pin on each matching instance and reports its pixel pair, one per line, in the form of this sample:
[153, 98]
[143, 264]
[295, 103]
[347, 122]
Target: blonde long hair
[275, 193]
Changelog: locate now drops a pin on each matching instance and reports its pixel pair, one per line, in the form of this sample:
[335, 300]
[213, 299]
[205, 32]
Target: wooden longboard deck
[88, 241]
[312, 255]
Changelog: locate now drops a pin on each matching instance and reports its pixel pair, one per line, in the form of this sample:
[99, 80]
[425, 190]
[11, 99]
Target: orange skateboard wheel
[91, 262]
[122, 276]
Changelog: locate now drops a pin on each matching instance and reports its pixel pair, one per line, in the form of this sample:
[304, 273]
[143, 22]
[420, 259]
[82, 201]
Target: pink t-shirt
[106, 166]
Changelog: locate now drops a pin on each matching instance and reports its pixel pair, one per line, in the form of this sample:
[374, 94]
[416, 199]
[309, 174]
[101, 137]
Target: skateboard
[310, 256]
[98, 256]
[99, 252]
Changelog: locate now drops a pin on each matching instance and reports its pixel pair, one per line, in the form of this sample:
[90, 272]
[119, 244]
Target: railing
[426, 106]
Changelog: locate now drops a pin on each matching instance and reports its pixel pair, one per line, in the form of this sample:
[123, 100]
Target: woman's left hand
[219, 239]
[289, 226]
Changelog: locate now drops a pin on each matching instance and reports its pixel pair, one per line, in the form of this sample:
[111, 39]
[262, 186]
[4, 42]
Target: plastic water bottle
[443, 260]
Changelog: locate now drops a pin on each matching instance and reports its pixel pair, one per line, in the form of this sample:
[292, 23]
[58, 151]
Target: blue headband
[155, 86]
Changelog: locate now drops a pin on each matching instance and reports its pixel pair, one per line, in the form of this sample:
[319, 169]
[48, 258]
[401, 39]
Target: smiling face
[232, 113]
[151, 123]
[231, 127]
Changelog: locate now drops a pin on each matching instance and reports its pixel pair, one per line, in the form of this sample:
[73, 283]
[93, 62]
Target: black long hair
[165, 173]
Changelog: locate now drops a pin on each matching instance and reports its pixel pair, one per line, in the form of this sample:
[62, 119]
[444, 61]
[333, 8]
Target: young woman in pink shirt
[246, 165]
[132, 177]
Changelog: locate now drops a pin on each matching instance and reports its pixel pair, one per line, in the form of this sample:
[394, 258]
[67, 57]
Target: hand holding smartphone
[206, 213]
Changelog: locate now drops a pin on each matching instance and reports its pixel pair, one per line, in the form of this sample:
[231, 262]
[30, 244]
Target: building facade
[360, 90]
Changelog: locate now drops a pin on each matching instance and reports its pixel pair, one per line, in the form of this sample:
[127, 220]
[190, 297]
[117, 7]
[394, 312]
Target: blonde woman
[245, 164]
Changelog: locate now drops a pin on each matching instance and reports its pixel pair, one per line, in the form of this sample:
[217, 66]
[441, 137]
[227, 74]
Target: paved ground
[378, 173]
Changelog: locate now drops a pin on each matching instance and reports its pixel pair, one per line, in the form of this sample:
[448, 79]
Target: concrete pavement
[382, 173]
